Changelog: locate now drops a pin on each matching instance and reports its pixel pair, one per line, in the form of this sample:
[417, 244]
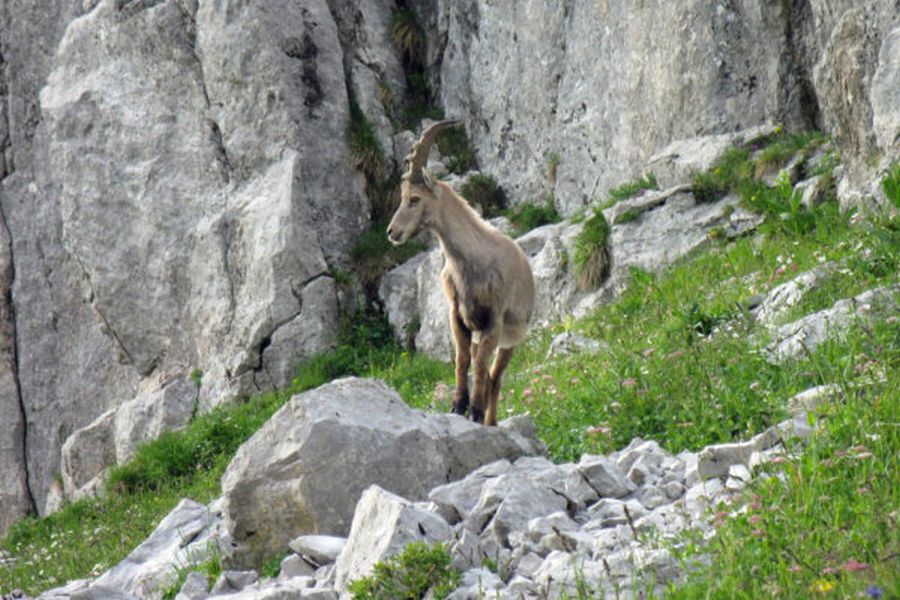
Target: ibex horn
[418, 156]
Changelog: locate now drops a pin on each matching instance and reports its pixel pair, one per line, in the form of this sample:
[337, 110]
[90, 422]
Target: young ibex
[486, 278]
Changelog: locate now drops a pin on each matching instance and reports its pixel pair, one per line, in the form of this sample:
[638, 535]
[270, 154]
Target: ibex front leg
[462, 338]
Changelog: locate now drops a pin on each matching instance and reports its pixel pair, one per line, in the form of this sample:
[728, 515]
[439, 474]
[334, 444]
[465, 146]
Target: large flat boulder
[304, 471]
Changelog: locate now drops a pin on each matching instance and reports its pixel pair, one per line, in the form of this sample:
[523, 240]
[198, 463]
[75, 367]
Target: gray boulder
[383, 525]
[195, 587]
[319, 549]
[115, 435]
[604, 476]
[303, 472]
[788, 295]
[199, 237]
[795, 340]
[187, 536]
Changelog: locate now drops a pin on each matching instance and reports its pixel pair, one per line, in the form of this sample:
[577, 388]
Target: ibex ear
[429, 180]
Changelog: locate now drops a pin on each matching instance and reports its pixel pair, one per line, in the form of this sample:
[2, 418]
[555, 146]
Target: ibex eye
[414, 199]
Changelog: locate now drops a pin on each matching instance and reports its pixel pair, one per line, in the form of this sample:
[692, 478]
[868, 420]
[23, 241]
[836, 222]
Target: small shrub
[419, 570]
[482, 190]
[455, 147]
[366, 154]
[632, 188]
[591, 260]
[782, 204]
[197, 377]
[527, 216]
[373, 254]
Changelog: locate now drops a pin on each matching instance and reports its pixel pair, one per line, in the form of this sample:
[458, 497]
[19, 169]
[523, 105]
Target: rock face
[304, 471]
[176, 189]
[599, 84]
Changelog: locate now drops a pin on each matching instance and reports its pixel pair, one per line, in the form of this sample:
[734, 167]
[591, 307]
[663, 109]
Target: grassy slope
[661, 376]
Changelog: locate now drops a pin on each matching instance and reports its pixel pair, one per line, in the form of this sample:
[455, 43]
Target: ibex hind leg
[501, 361]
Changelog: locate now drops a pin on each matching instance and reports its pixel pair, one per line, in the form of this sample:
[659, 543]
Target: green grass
[528, 216]
[632, 214]
[891, 186]
[408, 36]
[366, 153]
[482, 190]
[632, 188]
[829, 529]
[454, 145]
[591, 260]
[373, 254]
[418, 570]
[727, 175]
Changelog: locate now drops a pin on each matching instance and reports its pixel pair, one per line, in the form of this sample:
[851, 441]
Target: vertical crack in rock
[215, 132]
[124, 355]
[795, 70]
[266, 341]
[6, 168]
[15, 351]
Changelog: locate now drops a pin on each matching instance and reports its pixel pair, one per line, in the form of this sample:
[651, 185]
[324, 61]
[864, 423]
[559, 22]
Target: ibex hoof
[458, 409]
[477, 415]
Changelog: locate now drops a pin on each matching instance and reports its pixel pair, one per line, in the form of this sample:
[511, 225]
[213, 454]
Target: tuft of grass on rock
[483, 191]
[373, 254]
[527, 216]
[366, 153]
[591, 259]
[454, 145]
[417, 572]
[408, 36]
[632, 188]
[783, 147]
[891, 186]
[727, 175]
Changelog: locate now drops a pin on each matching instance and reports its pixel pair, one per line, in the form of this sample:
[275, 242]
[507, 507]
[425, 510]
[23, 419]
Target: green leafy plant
[373, 254]
[591, 260]
[727, 175]
[418, 570]
[483, 191]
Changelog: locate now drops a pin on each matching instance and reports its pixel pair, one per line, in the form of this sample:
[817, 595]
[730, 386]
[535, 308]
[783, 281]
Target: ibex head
[417, 198]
